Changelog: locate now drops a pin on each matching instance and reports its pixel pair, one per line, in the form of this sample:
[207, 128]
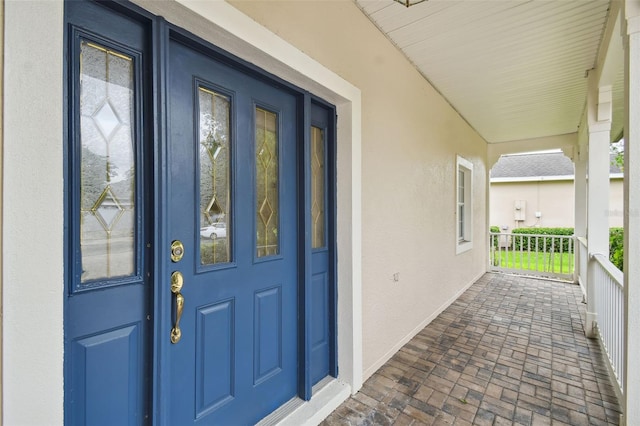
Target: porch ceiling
[514, 69]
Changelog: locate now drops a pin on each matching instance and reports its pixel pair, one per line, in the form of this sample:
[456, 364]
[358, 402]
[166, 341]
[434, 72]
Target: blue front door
[233, 220]
[200, 228]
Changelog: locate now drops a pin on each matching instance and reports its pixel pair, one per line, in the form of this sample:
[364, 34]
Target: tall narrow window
[214, 158]
[107, 163]
[461, 206]
[267, 183]
[464, 182]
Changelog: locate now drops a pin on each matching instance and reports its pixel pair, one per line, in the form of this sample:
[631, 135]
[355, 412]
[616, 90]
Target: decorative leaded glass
[214, 158]
[107, 165]
[267, 207]
[317, 188]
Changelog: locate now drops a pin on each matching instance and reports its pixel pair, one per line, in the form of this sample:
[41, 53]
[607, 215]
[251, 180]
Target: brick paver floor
[510, 350]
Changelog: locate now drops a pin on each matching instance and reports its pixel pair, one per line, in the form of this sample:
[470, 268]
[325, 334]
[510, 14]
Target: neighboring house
[537, 190]
[345, 148]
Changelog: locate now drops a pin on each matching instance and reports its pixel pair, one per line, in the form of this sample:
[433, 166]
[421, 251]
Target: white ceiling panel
[513, 69]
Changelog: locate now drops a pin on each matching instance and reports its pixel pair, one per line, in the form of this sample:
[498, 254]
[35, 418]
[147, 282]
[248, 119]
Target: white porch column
[631, 389]
[580, 203]
[580, 188]
[599, 107]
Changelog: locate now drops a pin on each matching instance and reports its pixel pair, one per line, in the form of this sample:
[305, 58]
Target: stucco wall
[554, 199]
[32, 210]
[410, 138]
[616, 203]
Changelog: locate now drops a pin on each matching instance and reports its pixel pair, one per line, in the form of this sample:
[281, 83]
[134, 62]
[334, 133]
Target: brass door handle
[176, 333]
[176, 282]
[176, 285]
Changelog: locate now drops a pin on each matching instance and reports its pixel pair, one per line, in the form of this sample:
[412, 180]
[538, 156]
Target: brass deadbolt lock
[177, 251]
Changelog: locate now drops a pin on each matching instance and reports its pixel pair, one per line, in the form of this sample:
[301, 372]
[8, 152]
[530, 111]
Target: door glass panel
[107, 177]
[267, 210]
[215, 235]
[317, 187]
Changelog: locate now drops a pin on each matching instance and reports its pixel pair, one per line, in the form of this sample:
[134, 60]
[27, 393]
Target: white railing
[608, 282]
[583, 262]
[529, 254]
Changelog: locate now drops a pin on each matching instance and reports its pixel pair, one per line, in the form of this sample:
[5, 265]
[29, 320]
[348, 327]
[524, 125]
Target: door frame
[33, 296]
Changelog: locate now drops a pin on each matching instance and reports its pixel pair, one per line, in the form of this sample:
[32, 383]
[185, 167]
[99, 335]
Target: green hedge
[532, 236]
[529, 235]
[616, 247]
[494, 230]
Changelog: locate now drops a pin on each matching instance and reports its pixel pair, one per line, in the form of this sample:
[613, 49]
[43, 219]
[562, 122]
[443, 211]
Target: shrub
[616, 247]
[532, 236]
[494, 230]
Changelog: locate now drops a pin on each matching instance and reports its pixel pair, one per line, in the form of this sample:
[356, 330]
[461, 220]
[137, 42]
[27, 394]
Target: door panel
[321, 316]
[108, 367]
[215, 368]
[107, 328]
[320, 343]
[240, 311]
[267, 344]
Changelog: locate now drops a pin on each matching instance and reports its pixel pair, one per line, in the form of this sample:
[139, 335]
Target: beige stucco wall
[554, 199]
[616, 203]
[33, 261]
[410, 138]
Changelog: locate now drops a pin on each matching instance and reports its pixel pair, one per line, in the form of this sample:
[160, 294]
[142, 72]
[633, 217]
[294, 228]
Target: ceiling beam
[610, 61]
[565, 142]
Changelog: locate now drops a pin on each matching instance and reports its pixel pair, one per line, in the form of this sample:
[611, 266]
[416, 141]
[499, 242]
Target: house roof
[542, 164]
[514, 70]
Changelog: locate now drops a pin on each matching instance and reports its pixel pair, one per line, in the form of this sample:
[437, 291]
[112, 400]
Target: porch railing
[548, 256]
[608, 282]
[583, 262]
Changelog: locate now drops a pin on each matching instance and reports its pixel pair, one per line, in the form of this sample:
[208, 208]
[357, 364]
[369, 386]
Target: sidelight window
[107, 163]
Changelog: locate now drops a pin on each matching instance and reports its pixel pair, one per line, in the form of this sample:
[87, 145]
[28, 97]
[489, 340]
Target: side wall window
[464, 204]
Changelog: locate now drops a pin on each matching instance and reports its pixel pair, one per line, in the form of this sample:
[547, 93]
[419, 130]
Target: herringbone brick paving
[510, 350]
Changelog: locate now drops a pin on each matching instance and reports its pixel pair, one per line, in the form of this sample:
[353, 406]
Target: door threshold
[297, 412]
[321, 384]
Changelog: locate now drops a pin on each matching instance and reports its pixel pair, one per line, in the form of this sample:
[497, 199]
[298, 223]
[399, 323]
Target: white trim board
[33, 260]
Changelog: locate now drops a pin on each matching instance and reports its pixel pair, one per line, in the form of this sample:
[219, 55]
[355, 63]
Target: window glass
[215, 194]
[464, 200]
[107, 163]
[267, 183]
[461, 206]
[317, 188]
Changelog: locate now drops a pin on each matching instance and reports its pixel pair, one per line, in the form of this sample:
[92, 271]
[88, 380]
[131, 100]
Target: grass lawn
[542, 262]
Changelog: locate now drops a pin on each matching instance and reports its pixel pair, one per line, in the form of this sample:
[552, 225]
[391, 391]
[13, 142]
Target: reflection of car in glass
[215, 230]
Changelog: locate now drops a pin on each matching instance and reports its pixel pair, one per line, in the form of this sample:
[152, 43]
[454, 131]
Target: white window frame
[464, 205]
